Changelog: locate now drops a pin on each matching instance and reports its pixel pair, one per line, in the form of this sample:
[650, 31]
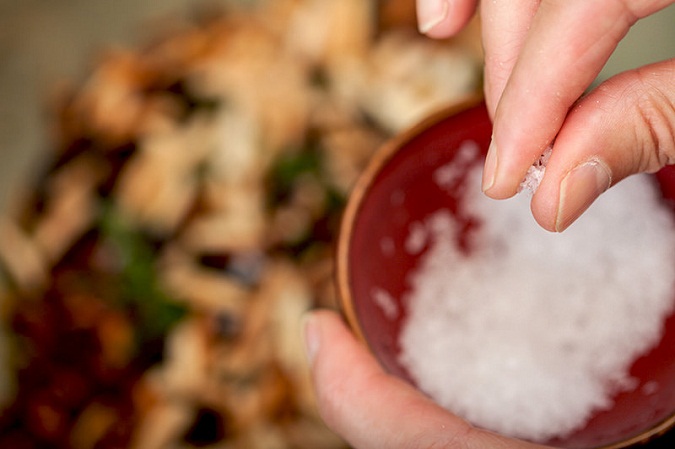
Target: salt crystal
[536, 172]
[417, 238]
[386, 303]
[533, 332]
[448, 175]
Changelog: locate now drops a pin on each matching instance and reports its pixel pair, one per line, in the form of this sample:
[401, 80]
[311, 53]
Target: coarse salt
[450, 175]
[386, 303]
[533, 332]
[536, 172]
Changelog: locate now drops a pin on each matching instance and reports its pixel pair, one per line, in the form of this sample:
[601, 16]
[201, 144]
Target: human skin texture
[540, 58]
[372, 409]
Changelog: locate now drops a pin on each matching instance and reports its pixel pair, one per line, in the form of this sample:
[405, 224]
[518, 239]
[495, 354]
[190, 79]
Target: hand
[372, 409]
[540, 57]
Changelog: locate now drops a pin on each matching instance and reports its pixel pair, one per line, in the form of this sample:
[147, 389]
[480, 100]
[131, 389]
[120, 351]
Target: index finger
[505, 26]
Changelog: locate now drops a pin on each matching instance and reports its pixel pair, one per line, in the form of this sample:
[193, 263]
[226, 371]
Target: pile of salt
[533, 332]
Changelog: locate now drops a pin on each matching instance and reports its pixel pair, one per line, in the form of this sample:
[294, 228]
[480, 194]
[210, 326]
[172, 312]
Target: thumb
[372, 409]
[625, 126]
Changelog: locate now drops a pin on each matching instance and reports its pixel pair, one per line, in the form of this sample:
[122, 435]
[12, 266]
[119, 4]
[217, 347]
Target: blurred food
[158, 271]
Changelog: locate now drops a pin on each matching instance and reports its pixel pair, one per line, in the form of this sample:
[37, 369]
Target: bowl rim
[358, 193]
[362, 187]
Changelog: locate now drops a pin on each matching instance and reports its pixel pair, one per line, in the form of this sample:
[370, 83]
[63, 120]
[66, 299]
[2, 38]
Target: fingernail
[490, 169]
[579, 189]
[430, 13]
[312, 336]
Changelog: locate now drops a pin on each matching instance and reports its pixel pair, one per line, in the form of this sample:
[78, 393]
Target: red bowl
[397, 189]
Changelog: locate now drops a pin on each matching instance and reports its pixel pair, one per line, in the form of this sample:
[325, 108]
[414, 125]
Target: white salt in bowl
[398, 189]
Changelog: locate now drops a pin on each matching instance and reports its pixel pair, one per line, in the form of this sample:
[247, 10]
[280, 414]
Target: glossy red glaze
[396, 190]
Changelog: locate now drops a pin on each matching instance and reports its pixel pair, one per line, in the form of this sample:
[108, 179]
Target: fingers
[505, 27]
[540, 56]
[444, 18]
[372, 409]
[567, 45]
[625, 126]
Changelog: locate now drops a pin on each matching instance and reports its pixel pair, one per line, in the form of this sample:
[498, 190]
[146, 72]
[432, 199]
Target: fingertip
[432, 16]
[544, 208]
[490, 168]
[494, 183]
[319, 326]
[332, 348]
[501, 188]
[510, 156]
[443, 18]
[579, 189]
[604, 139]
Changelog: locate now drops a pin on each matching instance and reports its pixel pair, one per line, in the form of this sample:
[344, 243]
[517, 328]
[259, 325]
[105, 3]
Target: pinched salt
[532, 332]
[535, 173]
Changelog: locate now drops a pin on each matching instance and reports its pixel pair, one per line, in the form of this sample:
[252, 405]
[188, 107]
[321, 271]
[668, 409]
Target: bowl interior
[396, 190]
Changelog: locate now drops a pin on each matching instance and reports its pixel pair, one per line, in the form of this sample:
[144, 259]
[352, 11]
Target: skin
[540, 58]
[372, 409]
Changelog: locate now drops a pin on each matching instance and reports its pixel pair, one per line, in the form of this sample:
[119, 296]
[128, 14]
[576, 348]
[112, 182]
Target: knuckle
[655, 126]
